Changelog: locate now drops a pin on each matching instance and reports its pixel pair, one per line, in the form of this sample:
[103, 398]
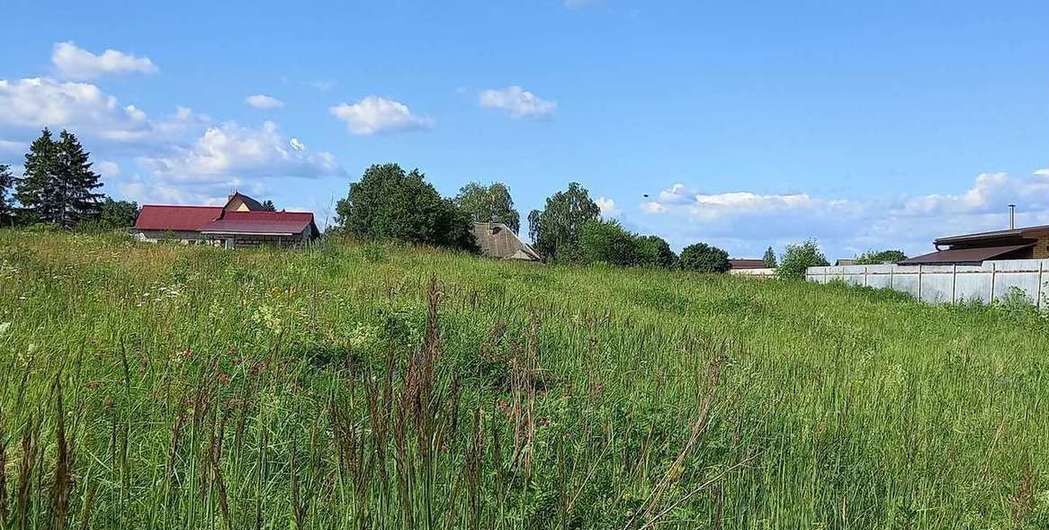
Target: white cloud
[608, 207]
[297, 144]
[38, 102]
[76, 63]
[519, 102]
[230, 150]
[653, 207]
[159, 192]
[1042, 172]
[745, 222]
[8, 146]
[261, 101]
[32, 103]
[990, 193]
[107, 168]
[375, 114]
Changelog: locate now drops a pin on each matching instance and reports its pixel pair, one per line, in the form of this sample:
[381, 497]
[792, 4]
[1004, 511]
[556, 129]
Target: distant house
[844, 262]
[240, 222]
[745, 263]
[749, 267]
[496, 240]
[973, 249]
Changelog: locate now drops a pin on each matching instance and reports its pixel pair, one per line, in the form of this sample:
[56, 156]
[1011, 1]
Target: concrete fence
[947, 283]
[753, 272]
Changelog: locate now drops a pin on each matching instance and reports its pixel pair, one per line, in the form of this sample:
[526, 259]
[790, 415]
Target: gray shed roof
[496, 240]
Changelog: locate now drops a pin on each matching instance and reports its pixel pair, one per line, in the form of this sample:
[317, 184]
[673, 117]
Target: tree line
[391, 203]
[59, 188]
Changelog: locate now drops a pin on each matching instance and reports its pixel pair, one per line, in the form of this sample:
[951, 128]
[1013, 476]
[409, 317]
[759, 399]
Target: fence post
[954, 284]
[1041, 267]
[919, 282]
[994, 270]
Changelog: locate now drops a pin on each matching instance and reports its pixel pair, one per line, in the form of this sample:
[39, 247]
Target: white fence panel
[948, 283]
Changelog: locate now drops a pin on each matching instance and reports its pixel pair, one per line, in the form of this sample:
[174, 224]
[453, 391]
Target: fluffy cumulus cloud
[608, 207]
[375, 114]
[262, 101]
[518, 102]
[230, 151]
[160, 192]
[73, 62]
[28, 104]
[746, 222]
[107, 168]
[38, 102]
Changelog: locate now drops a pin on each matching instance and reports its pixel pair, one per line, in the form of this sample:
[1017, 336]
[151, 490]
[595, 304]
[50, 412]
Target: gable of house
[496, 240]
[238, 202]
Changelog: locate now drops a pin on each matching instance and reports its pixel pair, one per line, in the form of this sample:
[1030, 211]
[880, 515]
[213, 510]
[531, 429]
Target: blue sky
[862, 124]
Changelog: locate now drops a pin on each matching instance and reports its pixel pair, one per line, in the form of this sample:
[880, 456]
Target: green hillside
[377, 386]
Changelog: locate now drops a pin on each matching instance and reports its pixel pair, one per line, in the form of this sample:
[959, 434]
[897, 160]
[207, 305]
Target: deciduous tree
[798, 257]
[117, 214]
[390, 203]
[607, 242]
[701, 257]
[654, 251]
[872, 257]
[555, 229]
[491, 203]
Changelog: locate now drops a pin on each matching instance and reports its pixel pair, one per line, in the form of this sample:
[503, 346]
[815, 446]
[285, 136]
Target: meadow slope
[377, 386]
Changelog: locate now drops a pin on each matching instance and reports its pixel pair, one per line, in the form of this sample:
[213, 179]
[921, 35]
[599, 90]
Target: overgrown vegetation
[878, 257]
[491, 203]
[391, 203]
[379, 386]
[701, 257]
[798, 257]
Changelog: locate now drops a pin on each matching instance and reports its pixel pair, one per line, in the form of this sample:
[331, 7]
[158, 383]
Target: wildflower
[4, 326]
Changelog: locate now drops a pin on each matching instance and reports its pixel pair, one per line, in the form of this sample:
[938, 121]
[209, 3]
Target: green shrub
[798, 257]
[701, 257]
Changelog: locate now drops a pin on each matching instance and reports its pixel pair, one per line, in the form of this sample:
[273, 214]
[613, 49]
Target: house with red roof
[241, 222]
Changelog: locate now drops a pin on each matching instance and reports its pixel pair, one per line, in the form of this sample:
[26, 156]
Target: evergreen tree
[268, 206]
[77, 184]
[35, 191]
[6, 180]
[58, 186]
[770, 258]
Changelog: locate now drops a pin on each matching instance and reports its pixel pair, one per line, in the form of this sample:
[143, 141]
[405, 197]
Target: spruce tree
[770, 258]
[36, 190]
[6, 180]
[76, 183]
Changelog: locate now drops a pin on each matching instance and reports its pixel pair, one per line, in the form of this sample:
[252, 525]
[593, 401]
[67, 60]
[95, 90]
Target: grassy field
[375, 386]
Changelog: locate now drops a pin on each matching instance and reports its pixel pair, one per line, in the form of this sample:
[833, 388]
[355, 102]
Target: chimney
[1012, 216]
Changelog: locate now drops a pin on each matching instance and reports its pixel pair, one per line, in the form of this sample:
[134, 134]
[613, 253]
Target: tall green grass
[377, 386]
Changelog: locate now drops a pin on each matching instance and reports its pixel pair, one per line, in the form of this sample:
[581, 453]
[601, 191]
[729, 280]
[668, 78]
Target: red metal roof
[154, 217]
[965, 255]
[280, 223]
